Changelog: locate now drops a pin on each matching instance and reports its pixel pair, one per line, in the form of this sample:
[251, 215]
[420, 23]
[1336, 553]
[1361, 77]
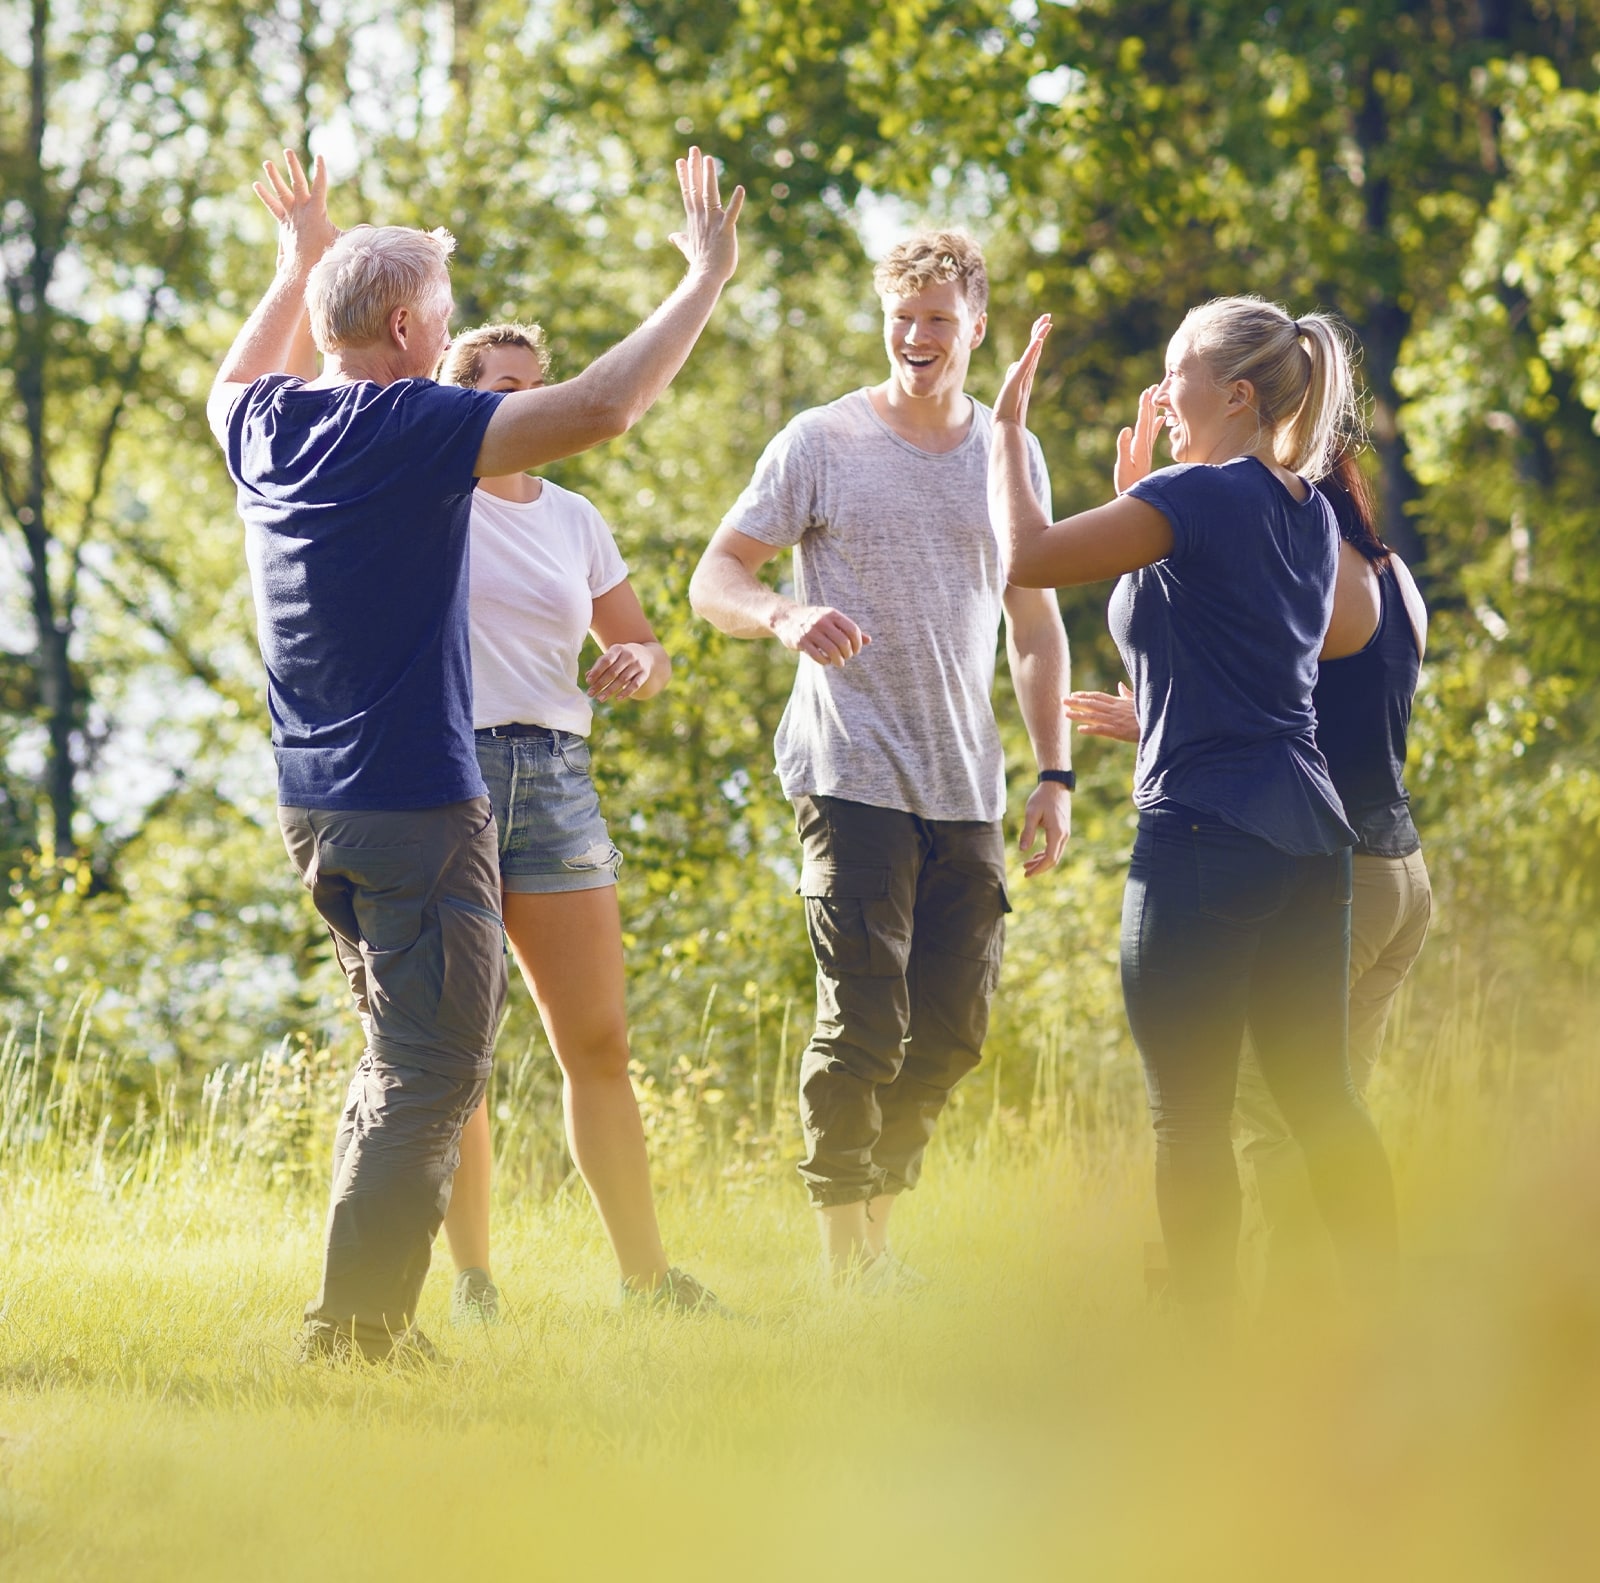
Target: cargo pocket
[385, 889]
[847, 911]
[472, 991]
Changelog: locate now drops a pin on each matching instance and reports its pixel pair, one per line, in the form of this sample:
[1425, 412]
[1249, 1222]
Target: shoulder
[428, 396]
[1186, 483]
[245, 400]
[1416, 607]
[571, 507]
[818, 427]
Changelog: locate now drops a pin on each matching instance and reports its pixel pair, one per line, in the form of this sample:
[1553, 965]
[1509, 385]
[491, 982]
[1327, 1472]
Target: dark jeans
[907, 924]
[1222, 932]
[412, 900]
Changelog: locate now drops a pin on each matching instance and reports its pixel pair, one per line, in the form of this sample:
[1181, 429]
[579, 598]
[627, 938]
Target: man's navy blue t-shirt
[356, 500]
[1221, 641]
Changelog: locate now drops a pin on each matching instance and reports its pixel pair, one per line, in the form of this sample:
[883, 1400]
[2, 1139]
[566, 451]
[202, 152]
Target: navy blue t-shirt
[1221, 641]
[356, 500]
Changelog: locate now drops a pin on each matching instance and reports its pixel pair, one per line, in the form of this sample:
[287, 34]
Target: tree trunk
[58, 689]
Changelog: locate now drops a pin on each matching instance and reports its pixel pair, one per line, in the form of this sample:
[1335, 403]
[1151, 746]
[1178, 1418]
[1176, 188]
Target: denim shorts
[553, 837]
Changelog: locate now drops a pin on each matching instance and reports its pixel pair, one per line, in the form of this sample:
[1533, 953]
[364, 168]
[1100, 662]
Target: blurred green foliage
[1427, 171]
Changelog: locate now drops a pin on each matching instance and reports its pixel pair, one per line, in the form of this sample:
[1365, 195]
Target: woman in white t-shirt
[545, 572]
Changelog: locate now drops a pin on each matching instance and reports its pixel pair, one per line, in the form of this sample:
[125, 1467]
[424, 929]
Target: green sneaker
[678, 1290]
[475, 1300]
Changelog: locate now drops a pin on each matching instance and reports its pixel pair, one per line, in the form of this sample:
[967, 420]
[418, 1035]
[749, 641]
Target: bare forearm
[536, 427]
[1017, 514]
[734, 600]
[1041, 676]
[268, 340]
[637, 370]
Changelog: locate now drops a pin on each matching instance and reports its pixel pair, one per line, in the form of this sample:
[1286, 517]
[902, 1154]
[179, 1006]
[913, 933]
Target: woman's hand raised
[1011, 405]
[1136, 447]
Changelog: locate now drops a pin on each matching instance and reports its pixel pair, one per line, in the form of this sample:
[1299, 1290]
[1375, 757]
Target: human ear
[400, 326]
[1241, 396]
[980, 328]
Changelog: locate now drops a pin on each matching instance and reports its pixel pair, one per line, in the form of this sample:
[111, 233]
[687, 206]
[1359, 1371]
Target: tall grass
[1030, 1416]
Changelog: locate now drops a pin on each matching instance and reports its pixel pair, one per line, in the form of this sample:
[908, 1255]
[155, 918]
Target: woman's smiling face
[1196, 407]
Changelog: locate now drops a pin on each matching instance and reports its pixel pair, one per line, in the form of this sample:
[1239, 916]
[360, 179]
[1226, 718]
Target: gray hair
[369, 272]
[1301, 369]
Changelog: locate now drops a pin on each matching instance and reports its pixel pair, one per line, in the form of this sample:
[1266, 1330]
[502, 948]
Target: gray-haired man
[355, 490]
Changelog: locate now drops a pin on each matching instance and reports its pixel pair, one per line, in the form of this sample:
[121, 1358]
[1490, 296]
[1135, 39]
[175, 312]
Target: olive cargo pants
[907, 924]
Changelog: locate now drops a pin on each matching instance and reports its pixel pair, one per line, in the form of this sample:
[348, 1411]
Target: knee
[599, 1056]
[1193, 1127]
[829, 1092]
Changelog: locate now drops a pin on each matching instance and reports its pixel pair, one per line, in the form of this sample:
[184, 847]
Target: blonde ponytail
[1301, 371]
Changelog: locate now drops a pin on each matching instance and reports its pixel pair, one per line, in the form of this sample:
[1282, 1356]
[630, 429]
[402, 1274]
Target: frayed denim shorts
[553, 837]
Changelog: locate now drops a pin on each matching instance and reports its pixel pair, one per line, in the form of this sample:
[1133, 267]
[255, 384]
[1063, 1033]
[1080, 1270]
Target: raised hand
[710, 237]
[821, 633]
[300, 207]
[1011, 405]
[1101, 715]
[1136, 446]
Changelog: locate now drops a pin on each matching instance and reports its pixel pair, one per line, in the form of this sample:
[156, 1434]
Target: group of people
[430, 732]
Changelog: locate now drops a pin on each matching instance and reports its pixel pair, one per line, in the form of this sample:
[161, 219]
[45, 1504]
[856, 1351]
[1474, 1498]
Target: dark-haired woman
[1237, 909]
[1366, 680]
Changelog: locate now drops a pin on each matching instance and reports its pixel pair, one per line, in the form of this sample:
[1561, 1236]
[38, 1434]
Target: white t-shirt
[537, 568]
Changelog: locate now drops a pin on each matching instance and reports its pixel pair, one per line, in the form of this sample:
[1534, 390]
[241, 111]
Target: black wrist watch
[1067, 778]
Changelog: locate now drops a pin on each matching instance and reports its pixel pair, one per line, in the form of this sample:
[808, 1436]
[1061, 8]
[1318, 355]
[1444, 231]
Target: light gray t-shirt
[898, 539]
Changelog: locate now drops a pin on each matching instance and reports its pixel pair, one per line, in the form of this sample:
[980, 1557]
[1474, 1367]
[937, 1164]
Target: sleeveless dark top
[1363, 705]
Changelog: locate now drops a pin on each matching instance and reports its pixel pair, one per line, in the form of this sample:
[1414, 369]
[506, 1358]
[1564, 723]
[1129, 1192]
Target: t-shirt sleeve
[779, 504]
[441, 428]
[1186, 495]
[607, 569]
[245, 406]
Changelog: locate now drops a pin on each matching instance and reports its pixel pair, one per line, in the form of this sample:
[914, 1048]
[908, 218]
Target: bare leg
[845, 1247]
[878, 1223]
[466, 1222]
[569, 947]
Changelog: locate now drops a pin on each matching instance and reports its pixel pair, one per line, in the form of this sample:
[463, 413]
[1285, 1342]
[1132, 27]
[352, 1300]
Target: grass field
[1030, 1416]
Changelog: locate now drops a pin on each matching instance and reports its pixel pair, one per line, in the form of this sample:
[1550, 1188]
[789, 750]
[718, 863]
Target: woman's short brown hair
[462, 363]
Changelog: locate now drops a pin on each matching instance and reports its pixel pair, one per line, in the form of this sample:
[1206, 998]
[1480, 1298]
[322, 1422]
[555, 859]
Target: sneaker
[413, 1350]
[475, 1300]
[323, 1344]
[678, 1290]
[885, 1275]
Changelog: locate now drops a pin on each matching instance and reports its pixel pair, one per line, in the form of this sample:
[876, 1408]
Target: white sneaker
[885, 1275]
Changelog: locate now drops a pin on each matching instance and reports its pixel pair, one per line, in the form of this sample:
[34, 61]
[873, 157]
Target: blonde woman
[545, 572]
[1237, 909]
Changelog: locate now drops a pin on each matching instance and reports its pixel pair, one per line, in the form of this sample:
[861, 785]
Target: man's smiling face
[930, 336]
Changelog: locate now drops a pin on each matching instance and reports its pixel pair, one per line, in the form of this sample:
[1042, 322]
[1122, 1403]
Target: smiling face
[930, 336]
[508, 367]
[1202, 415]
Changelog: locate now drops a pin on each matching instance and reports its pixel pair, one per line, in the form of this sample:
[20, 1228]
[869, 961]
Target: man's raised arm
[270, 341]
[532, 427]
